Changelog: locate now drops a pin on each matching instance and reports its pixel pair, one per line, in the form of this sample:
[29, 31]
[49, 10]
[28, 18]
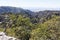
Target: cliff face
[5, 37]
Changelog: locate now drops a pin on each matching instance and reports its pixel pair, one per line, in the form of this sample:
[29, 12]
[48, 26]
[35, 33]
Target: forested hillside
[43, 25]
[26, 28]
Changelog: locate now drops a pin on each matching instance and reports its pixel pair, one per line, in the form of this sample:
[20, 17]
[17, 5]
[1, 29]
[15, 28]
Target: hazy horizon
[33, 4]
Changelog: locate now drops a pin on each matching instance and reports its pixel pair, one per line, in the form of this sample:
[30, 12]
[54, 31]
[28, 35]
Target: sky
[32, 4]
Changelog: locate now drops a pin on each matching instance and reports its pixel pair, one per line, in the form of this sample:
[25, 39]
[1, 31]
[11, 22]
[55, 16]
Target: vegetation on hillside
[26, 28]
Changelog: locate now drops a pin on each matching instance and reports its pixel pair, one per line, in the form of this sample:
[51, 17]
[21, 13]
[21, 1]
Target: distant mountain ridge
[10, 9]
[7, 9]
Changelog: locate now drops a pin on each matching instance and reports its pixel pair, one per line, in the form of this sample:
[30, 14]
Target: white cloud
[31, 3]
